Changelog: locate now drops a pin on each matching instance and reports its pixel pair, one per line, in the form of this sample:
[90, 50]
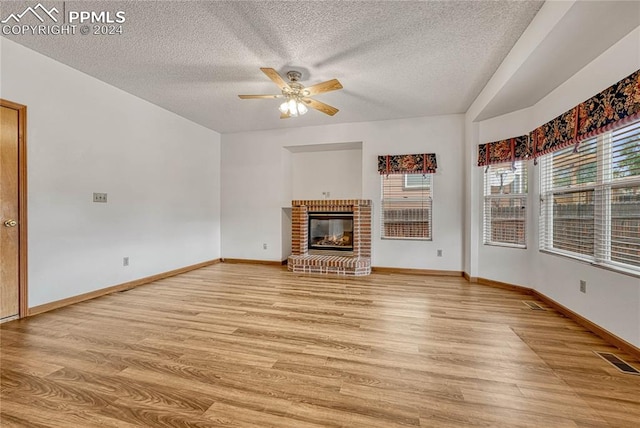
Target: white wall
[612, 300]
[510, 265]
[251, 214]
[161, 173]
[338, 172]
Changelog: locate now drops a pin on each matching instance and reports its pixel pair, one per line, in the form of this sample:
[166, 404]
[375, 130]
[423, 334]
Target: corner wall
[612, 300]
[160, 171]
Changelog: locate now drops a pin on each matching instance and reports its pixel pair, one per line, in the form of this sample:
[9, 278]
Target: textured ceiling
[395, 59]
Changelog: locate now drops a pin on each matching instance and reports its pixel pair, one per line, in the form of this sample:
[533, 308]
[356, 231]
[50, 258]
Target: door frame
[23, 306]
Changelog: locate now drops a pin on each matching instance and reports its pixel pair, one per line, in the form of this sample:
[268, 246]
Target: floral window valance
[615, 106]
[502, 151]
[424, 163]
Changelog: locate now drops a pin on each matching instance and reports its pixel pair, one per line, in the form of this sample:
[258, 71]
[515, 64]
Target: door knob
[11, 223]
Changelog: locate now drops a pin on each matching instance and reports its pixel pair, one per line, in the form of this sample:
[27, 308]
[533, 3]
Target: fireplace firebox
[330, 231]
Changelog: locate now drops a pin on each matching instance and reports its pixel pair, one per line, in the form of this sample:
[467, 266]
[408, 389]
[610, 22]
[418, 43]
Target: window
[415, 181]
[590, 200]
[505, 205]
[406, 206]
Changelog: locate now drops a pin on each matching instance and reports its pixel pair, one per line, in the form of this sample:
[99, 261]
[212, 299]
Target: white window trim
[602, 200]
[411, 187]
[487, 222]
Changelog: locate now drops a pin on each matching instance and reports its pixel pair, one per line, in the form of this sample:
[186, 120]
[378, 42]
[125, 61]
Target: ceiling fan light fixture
[302, 109]
[293, 107]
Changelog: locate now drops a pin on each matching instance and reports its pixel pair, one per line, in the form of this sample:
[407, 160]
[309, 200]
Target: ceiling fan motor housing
[294, 76]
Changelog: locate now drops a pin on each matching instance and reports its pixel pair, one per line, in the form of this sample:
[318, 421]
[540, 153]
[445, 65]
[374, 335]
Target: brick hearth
[357, 264]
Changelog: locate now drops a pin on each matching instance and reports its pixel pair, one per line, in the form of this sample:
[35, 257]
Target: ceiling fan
[296, 96]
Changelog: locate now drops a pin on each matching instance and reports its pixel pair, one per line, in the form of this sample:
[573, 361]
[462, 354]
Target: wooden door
[11, 177]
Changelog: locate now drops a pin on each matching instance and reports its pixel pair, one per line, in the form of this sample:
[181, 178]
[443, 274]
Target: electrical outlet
[264, 246]
[100, 197]
[125, 261]
[439, 253]
[583, 286]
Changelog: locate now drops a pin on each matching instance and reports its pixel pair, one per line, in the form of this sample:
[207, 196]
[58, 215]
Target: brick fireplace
[353, 262]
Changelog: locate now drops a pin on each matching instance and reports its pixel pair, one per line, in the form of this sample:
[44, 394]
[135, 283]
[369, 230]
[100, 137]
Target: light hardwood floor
[256, 346]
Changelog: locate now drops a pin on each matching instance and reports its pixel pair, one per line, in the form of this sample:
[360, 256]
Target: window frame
[603, 187]
[404, 188]
[487, 220]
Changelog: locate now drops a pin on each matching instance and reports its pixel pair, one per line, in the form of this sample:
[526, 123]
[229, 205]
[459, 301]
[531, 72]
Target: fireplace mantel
[356, 263]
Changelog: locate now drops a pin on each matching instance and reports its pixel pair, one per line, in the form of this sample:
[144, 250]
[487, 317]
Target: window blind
[406, 206]
[505, 204]
[590, 200]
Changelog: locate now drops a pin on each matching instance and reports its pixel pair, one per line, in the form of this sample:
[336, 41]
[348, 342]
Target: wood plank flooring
[256, 346]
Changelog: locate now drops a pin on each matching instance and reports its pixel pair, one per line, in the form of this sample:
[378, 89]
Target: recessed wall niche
[326, 171]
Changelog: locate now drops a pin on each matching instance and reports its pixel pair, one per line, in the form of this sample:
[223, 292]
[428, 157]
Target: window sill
[505, 245]
[612, 268]
[401, 238]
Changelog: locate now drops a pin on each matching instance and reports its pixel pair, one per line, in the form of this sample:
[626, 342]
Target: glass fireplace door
[331, 231]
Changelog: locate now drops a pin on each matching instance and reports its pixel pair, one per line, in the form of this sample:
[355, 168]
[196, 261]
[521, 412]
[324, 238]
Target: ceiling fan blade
[329, 85]
[284, 116]
[249, 97]
[276, 78]
[320, 106]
